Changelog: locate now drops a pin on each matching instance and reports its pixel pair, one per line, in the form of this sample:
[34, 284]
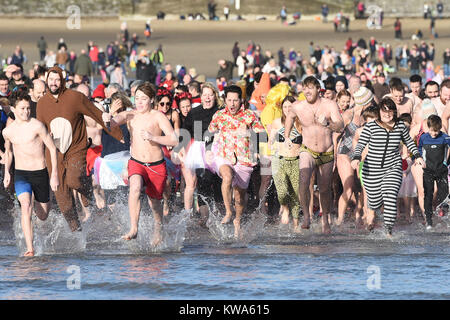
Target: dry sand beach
[201, 44]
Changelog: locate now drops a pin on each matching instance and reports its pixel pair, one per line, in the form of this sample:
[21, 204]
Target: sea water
[194, 262]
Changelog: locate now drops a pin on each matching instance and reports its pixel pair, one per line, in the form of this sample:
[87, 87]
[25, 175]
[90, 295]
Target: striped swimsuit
[382, 169]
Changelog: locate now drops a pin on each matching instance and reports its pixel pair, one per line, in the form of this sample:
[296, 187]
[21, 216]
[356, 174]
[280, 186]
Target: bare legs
[307, 166]
[86, 211]
[157, 210]
[166, 197]
[134, 205]
[191, 181]
[99, 194]
[266, 177]
[417, 173]
[323, 181]
[346, 173]
[239, 199]
[41, 210]
[226, 172]
[136, 182]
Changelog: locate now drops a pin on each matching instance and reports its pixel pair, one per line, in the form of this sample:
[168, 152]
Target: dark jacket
[83, 65]
[226, 72]
[145, 71]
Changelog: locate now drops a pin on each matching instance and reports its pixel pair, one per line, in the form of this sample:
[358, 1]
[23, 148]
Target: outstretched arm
[87, 108]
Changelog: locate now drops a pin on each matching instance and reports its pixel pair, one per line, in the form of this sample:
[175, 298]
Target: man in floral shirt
[233, 155]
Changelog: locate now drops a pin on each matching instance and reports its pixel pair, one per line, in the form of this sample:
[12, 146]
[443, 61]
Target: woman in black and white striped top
[382, 169]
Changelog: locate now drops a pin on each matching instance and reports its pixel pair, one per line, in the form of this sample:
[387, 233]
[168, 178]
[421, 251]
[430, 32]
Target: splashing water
[106, 231]
[52, 236]
[101, 233]
[251, 227]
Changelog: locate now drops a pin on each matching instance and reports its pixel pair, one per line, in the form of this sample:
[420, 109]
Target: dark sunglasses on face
[162, 104]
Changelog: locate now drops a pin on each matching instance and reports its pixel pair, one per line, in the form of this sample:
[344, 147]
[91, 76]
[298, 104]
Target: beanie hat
[99, 92]
[363, 96]
[342, 79]
[428, 109]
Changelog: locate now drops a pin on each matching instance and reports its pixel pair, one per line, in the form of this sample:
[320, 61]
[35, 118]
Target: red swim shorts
[154, 175]
[92, 154]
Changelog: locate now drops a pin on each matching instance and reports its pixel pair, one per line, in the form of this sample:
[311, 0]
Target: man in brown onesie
[62, 111]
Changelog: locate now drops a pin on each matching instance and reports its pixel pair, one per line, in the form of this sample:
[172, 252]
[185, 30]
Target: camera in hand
[107, 104]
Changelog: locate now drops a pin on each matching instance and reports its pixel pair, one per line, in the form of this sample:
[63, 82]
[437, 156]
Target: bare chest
[311, 116]
[144, 123]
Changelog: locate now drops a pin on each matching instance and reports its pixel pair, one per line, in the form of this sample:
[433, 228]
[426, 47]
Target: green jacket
[83, 65]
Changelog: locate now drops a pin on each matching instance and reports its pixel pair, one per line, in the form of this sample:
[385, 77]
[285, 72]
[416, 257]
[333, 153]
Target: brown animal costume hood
[59, 71]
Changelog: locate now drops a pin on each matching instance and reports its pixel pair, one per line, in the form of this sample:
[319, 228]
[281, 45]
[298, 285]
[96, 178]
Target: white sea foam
[52, 236]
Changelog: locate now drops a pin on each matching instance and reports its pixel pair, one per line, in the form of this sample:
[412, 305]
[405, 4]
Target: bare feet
[74, 225]
[29, 253]
[86, 217]
[157, 235]
[285, 217]
[226, 219]
[359, 222]
[166, 208]
[130, 235]
[326, 227]
[305, 225]
[237, 229]
[157, 239]
[100, 203]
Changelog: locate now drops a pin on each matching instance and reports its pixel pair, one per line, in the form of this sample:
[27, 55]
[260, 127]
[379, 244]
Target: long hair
[218, 102]
[291, 99]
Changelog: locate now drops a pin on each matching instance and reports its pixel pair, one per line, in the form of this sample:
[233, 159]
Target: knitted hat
[363, 96]
[428, 109]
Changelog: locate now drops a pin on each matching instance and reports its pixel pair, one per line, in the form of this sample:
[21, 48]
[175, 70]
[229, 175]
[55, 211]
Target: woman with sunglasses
[164, 102]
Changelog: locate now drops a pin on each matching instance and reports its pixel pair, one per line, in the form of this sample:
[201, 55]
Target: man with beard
[62, 111]
[319, 118]
[443, 103]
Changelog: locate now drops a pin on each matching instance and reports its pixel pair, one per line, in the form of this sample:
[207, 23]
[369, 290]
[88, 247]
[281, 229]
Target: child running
[149, 130]
[26, 137]
[433, 146]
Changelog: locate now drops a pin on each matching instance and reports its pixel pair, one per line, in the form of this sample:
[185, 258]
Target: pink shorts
[241, 173]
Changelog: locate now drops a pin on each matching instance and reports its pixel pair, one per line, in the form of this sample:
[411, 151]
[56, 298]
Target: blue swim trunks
[36, 182]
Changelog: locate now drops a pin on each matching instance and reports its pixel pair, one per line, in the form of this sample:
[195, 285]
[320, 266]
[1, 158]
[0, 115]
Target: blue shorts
[36, 182]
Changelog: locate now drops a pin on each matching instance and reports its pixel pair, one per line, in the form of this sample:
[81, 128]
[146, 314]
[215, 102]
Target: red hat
[99, 92]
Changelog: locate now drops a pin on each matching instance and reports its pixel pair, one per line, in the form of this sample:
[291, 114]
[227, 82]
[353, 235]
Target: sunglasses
[162, 104]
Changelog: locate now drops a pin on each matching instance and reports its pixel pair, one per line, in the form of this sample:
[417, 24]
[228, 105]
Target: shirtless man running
[403, 103]
[442, 104]
[149, 130]
[319, 118]
[26, 137]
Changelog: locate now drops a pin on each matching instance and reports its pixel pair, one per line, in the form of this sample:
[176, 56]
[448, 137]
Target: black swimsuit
[297, 137]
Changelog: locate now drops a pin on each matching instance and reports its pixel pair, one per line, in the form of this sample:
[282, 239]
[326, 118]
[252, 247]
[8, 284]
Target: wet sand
[201, 44]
